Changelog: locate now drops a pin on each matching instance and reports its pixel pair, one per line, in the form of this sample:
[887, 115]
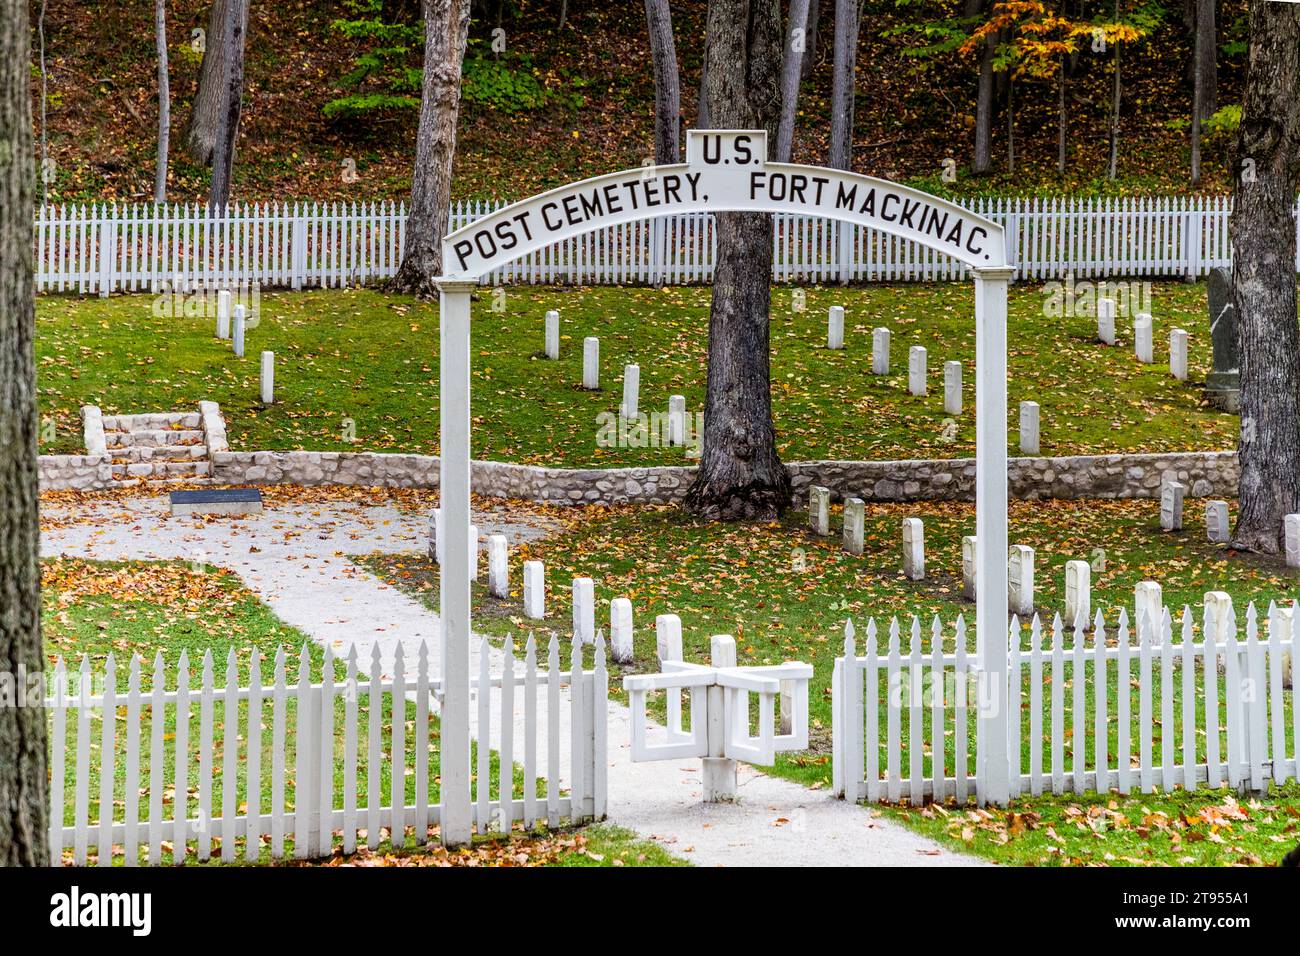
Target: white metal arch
[725, 171]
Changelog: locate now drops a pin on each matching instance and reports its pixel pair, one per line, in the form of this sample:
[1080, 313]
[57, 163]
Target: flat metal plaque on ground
[221, 501]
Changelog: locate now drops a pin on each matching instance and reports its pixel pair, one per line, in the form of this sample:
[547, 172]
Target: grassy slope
[743, 580]
[910, 113]
[144, 608]
[359, 354]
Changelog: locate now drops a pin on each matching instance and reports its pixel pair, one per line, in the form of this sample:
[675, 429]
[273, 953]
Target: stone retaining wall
[75, 472]
[1205, 474]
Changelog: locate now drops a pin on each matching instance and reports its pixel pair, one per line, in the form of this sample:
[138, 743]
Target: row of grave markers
[583, 590]
[232, 326]
[1020, 558]
[1143, 338]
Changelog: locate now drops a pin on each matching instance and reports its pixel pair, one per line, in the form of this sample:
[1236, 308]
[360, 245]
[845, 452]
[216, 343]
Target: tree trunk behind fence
[796, 43]
[668, 97]
[210, 96]
[1264, 284]
[446, 27]
[223, 149]
[23, 809]
[741, 475]
[164, 102]
[843, 86]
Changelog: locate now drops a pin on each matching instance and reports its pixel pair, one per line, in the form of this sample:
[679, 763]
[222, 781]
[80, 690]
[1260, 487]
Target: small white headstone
[1286, 632]
[1217, 621]
[1178, 354]
[835, 327]
[1291, 534]
[498, 566]
[1143, 338]
[819, 510]
[268, 378]
[668, 647]
[436, 543]
[913, 549]
[238, 333]
[1171, 506]
[1148, 603]
[631, 390]
[968, 560]
[584, 610]
[676, 420]
[620, 630]
[1020, 580]
[1106, 321]
[854, 525]
[880, 352]
[552, 334]
[1216, 521]
[591, 363]
[223, 314]
[916, 370]
[1029, 428]
[534, 590]
[1078, 592]
[952, 388]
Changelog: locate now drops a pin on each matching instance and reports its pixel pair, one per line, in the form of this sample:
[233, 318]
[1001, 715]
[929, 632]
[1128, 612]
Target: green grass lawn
[371, 358]
[744, 580]
[147, 608]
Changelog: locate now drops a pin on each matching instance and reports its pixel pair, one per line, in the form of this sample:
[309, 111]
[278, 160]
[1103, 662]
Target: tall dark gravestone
[1223, 384]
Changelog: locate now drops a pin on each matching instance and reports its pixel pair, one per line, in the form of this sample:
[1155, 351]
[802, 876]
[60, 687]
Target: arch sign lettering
[725, 171]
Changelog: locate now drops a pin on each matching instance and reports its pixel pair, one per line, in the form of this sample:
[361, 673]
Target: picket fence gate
[1208, 712]
[317, 744]
[105, 248]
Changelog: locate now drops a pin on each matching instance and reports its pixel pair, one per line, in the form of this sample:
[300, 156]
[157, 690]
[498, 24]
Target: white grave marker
[913, 549]
[1178, 354]
[238, 334]
[1216, 521]
[1143, 338]
[1029, 428]
[1020, 580]
[1106, 321]
[620, 630]
[968, 563]
[1148, 604]
[268, 378]
[1171, 506]
[498, 566]
[631, 390]
[854, 525]
[584, 610]
[835, 327]
[952, 388]
[223, 314]
[552, 334]
[676, 420]
[1291, 534]
[819, 510]
[1218, 617]
[591, 363]
[916, 370]
[880, 352]
[668, 647]
[534, 590]
[1078, 592]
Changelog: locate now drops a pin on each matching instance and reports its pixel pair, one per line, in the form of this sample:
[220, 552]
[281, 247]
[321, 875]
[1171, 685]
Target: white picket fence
[1159, 709]
[286, 767]
[105, 248]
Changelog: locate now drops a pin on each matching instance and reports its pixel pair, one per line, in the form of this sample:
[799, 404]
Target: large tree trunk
[844, 84]
[446, 29]
[809, 55]
[796, 44]
[23, 806]
[210, 97]
[1264, 283]
[1115, 93]
[740, 474]
[223, 150]
[668, 96]
[702, 101]
[164, 101]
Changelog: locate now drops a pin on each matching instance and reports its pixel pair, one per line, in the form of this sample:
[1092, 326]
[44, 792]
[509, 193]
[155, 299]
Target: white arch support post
[725, 171]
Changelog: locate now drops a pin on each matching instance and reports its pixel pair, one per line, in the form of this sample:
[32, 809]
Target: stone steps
[156, 448]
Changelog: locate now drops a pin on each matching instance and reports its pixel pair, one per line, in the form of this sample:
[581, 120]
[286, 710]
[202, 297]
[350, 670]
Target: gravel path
[294, 557]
